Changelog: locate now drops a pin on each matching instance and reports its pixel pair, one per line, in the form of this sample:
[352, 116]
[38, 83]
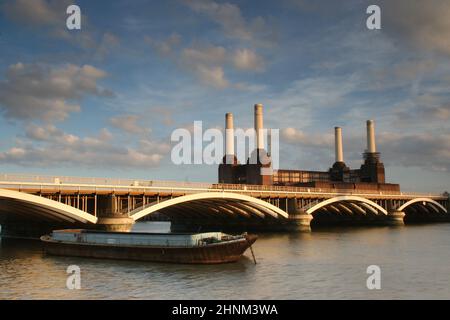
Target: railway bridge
[33, 205]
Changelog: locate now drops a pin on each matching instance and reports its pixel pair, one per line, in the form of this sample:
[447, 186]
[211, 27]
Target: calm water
[414, 261]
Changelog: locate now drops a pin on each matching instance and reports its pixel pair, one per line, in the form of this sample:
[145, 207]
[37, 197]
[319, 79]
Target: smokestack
[371, 147]
[259, 126]
[229, 136]
[338, 144]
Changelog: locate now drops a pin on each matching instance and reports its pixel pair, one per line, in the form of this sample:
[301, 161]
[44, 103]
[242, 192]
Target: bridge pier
[299, 222]
[115, 224]
[298, 219]
[111, 218]
[396, 218]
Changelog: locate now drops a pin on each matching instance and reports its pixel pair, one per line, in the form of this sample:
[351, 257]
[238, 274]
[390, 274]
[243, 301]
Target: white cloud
[164, 114]
[424, 24]
[37, 12]
[229, 17]
[208, 62]
[428, 150]
[129, 123]
[49, 18]
[107, 44]
[439, 112]
[40, 92]
[47, 146]
[205, 62]
[213, 76]
[164, 47]
[207, 55]
[49, 133]
[299, 137]
[246, 59]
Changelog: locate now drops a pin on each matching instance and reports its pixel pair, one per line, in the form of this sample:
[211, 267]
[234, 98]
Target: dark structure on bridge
[370, 176]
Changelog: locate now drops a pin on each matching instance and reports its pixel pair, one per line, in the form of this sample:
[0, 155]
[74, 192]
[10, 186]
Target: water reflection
[327, 263]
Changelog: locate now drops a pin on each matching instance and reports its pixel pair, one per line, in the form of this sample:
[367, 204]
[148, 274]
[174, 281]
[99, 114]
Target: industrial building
[370, 176]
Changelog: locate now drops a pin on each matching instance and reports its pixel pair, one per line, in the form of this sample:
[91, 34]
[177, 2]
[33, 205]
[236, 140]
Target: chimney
[338, 144]
[371, 147]
[259, 126]
[229, 138]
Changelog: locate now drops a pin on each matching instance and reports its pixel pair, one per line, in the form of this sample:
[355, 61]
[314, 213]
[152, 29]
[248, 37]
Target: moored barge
[198, 248]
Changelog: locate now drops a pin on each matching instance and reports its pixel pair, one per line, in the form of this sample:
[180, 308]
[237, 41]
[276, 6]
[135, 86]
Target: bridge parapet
[117, 201]
[59, 184]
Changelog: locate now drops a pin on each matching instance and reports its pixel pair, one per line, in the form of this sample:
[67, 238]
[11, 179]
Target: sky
[103, 101]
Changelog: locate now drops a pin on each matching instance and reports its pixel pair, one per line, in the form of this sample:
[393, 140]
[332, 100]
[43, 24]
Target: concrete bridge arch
[23, 203]
[210, 203]
[352, 204]
[436, 206]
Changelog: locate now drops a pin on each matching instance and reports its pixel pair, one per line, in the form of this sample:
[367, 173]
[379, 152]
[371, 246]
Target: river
[325, 264]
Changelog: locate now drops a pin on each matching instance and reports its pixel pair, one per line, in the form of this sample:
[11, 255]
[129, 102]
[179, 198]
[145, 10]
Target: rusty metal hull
[224, 252]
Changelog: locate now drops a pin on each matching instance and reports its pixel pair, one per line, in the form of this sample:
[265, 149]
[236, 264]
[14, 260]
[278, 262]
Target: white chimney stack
[229, 136]
[338, 144]
[371, 146]
[259, 126]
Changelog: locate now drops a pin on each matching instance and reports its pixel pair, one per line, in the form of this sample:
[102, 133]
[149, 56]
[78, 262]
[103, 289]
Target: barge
[198, 248]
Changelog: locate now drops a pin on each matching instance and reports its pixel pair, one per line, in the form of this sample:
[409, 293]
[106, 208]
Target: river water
[328, 263]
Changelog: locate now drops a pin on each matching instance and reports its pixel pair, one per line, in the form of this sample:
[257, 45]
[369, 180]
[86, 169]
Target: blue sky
[103, 100]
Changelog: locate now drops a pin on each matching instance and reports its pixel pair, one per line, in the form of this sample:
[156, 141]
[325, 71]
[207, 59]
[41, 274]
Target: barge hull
[208, 254]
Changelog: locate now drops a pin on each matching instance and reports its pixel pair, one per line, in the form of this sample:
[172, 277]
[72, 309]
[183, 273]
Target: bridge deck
[26, 201]
[77, 185]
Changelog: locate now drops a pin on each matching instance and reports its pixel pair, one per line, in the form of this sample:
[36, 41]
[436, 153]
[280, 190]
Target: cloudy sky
[104, 100]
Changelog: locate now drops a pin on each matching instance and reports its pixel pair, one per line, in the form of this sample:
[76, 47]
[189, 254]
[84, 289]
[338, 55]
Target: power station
[370, 176]
[249, 196]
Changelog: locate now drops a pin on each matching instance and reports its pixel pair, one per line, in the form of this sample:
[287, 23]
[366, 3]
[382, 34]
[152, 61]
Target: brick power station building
[370, 176]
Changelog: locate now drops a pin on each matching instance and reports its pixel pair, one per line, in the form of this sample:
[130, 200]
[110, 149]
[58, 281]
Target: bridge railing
[245, 187]
[99, 181]
[65, 182]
